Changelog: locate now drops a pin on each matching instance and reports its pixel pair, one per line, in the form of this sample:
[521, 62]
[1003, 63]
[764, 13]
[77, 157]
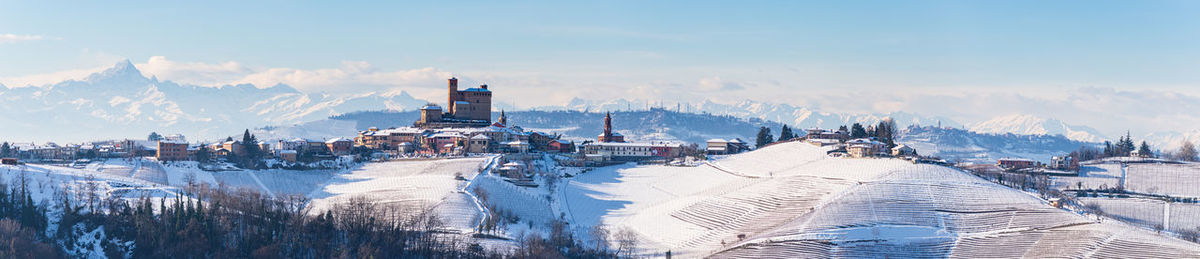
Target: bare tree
[627, 242]
[1187, 152]
[600, 234]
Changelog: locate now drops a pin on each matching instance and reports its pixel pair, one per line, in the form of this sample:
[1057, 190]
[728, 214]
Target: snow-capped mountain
[120, 102]
[962, 145]
[1170, 140]
[641, 125]
[798, 116]
[1033, 125]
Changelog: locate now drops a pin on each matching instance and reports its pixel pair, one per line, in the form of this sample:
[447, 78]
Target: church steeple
[607, 127]
[503, 119]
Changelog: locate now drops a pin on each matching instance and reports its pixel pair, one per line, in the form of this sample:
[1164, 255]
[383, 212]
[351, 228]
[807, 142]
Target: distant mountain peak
[121, 70]
[1028, 124]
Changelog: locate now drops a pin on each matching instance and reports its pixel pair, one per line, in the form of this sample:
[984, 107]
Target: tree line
[885, 131]
[1124, 146]
[206, 222]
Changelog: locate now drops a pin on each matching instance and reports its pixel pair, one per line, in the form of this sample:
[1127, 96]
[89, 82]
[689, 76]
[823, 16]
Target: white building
[629, 151]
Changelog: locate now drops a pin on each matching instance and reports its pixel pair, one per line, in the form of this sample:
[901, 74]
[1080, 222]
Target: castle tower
[452, 93]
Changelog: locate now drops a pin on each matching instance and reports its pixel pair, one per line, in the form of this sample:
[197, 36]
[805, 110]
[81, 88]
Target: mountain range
[121, 102]
[1033, 125]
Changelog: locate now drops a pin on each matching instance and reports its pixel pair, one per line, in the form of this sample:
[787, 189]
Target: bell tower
[608, 137]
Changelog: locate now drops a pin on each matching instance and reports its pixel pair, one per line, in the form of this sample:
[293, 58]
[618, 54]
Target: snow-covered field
[931, 211]
[789, 200]
[691, 211]
[1178, 180]
[408, 184]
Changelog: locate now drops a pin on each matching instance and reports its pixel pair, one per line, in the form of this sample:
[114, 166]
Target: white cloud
[50, 78]
[87, 62]
[12, 38]
[716, 84]
[1110, 110]
[349, 77]
[195, 73]
[352, 76]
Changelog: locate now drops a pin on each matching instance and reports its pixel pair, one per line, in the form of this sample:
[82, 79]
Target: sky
[1063, 59]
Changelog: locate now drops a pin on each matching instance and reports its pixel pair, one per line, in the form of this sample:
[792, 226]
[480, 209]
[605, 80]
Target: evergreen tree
[1187, 152]
[786, 134]
[886, 132]
[1144, 150]
[251, 155]
[154, 136]
[857, 131]
[203, 155]
[5, 149]
[1108, 149]
[764, 137]
[843, 128]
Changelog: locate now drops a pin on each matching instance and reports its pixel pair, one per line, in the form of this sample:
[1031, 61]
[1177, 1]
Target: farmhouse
[903, 150]
[725, 147]
[865, 148]
[1015, 163]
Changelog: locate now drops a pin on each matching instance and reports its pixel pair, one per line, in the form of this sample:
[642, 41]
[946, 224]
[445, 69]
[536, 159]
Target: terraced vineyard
[931, 212]
[790, 200]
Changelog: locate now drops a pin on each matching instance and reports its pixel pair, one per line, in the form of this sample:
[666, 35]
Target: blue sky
[1065, 39]
[676, 50]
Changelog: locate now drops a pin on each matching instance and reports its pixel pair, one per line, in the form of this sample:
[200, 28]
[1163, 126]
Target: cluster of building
[286, 150]
[52, 152]
[464, 126]
[1062, 163]
[495, 138]
[858, 148]
[611, 146]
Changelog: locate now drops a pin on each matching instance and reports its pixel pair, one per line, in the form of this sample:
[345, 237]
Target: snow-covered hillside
[790, 201]
[121, 102]
[925, 211]
[1033, 125]
[408, 185]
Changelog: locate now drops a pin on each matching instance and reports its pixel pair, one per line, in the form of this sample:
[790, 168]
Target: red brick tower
[607, 128]
[452, 94]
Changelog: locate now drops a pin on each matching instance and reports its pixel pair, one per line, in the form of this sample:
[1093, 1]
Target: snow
[691, 210]
[1025, 124]
[790, 200]
[787, 200]
[931, 211]
[120, 100]
[407, 184]
[1177, 180]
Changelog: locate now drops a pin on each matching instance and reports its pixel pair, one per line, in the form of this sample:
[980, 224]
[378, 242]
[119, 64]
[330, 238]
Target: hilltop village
[462, 127]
